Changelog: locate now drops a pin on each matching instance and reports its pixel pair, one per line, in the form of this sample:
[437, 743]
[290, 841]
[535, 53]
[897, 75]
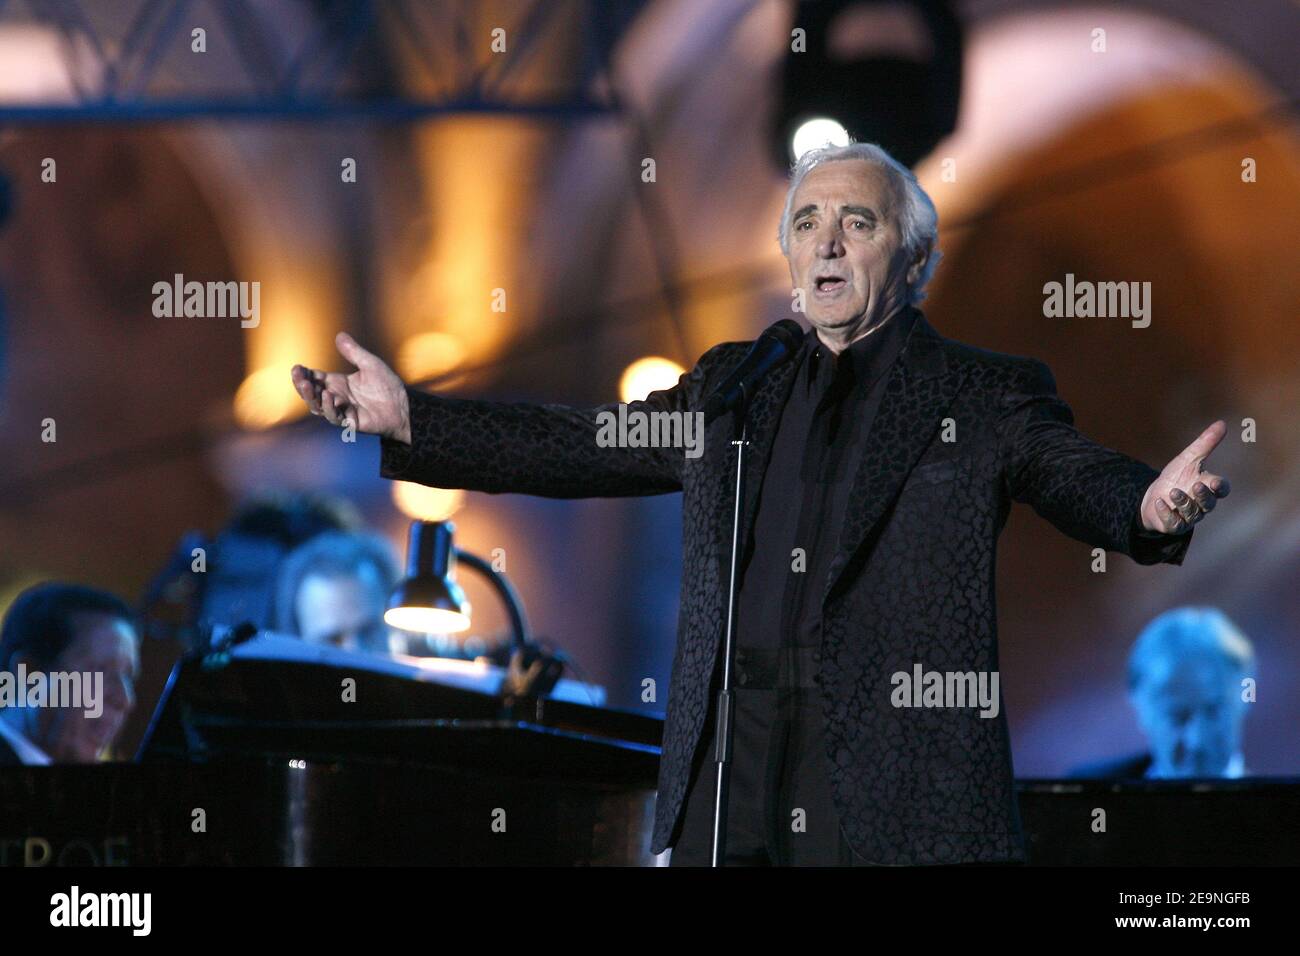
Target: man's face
[1191, 713]
[846, 248]
[103, 645]
[345, 611]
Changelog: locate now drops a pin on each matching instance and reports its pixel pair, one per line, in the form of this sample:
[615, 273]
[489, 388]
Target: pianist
[57, 629]
[333, 589]
[1191, 675]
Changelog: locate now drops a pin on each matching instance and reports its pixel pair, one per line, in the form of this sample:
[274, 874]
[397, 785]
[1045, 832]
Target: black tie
[835, 381]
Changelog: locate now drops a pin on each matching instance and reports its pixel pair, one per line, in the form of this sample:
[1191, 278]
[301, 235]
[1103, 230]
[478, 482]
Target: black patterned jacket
[912, 580]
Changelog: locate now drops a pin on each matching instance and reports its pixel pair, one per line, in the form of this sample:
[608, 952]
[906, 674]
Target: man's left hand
[1185, 492]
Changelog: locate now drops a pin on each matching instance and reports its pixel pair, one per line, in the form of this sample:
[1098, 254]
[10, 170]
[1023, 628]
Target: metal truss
[358, 60]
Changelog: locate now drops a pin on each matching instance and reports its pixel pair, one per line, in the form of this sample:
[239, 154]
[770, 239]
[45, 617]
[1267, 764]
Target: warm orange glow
[470, 282]
[266, 398]
[427, 504]
[295, 326]
[429, 355]
[648, 375]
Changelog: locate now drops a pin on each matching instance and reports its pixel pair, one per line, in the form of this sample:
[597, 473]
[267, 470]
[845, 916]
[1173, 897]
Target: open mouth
[829, 285]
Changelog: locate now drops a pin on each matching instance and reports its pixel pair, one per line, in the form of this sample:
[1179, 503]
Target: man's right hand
[373, 398]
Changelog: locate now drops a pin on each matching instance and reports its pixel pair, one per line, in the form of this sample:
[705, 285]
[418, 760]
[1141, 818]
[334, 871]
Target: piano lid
[479, 675]
[278, 695]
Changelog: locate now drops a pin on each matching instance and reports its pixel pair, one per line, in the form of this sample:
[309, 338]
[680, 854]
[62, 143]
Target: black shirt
[779, 763]
[816, 452]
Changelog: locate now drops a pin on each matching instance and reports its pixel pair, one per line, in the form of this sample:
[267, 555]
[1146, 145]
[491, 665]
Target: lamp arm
[518, 624]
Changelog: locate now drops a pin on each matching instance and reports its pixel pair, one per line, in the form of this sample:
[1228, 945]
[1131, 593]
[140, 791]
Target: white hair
[1186, 631]
[918, 220]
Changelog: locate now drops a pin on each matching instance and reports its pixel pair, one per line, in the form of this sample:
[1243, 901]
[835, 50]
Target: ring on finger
[1174, 522]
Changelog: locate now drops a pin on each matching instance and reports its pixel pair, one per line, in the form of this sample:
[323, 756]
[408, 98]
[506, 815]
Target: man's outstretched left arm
[1093, 493]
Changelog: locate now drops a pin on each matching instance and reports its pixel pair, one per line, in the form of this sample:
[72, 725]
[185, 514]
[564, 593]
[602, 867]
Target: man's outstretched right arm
[555, 451]
[547, 450]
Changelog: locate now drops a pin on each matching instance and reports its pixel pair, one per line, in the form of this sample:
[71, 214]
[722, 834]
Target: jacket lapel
[919, 389]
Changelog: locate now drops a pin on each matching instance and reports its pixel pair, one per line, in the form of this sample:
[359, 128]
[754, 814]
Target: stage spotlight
[265, 398]
[817, 132]
[887, 71]
[426, 503]
[429, 355]
[648, 375]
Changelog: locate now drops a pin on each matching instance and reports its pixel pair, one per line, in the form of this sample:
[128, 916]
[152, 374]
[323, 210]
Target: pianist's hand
[373, 398]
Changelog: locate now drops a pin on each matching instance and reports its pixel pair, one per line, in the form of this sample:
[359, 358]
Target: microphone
[777, 344]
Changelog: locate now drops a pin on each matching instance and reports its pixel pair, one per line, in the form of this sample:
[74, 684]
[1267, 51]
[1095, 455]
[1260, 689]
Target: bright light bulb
[267, 397]
[424, 503]
[648, 375]
[821, 131]
[426, 620]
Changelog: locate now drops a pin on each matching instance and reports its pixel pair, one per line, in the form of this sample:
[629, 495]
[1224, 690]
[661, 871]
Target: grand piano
[280, 753]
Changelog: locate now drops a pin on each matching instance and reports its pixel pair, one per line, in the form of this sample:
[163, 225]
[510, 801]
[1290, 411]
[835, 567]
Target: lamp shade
[428, 600]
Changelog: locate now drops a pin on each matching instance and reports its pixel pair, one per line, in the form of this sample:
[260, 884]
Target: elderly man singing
[883, 460]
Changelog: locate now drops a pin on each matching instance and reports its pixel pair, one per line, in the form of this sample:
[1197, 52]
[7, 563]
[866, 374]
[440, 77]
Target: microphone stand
[726, 696]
